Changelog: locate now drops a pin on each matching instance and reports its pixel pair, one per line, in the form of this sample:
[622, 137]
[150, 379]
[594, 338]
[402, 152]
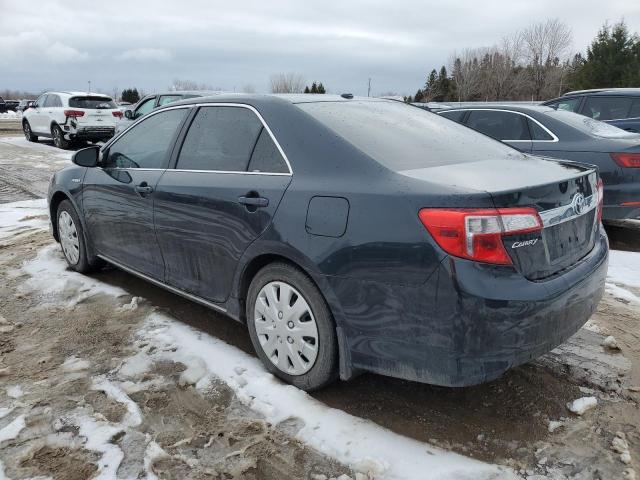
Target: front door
[118, 196]
[229, 179]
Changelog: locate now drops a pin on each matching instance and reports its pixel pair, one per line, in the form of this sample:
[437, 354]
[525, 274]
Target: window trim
[553, 136]
[264, 125]
[107, 146]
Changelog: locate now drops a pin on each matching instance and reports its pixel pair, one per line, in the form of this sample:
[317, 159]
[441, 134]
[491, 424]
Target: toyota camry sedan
[347, 234]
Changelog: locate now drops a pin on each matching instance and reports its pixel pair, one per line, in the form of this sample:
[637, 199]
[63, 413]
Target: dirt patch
[61, 463]
[102, 404]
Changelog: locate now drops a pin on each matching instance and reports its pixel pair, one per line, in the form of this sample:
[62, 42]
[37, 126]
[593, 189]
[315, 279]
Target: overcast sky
[51, 44]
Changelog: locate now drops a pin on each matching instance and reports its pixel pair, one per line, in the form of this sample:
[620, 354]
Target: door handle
[143, 189]
[254, 201]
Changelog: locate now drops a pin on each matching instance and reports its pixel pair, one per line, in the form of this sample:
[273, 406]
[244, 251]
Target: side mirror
[87, 157]
[128, 114]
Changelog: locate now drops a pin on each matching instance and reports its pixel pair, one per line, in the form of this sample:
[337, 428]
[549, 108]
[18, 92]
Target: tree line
[536, 64]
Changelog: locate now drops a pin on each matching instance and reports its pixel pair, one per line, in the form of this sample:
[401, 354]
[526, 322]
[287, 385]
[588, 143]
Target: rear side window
[91, 102]
[635, 109]
[266, 157]
[567, 104]
[537, 132]
[403, 137]
[147, 144]
[607, 108]
[499, 125]
[164, 99]
[220, 138]
[455, 115]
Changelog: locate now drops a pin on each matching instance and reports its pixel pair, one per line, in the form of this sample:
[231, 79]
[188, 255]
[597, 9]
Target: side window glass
[220, 138]
[145, 108]
[499, 125]
[635, 109]
[42, 99]
[455, 115]
[164, 99]
[50, 101]
[607, 108]
[57, 102]
[568, 104]
[147, 144]
[537, 132]
[266, 157]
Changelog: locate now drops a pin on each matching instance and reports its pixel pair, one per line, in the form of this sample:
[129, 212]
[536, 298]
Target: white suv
[70, 116]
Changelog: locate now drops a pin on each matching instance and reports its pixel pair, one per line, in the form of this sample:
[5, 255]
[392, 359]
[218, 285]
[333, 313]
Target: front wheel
[28, 133]
[71, 238]
[58, 138]
[291, 327]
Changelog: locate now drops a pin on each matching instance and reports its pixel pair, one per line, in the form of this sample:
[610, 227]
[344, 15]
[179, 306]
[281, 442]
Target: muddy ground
[59, 355]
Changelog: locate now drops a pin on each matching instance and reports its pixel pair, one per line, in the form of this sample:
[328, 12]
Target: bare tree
[181, 84]
[287, 83]
[545, 47]
[248, 88]
[466, 73]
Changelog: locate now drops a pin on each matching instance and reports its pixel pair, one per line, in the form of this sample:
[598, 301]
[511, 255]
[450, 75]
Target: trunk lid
[563, 193]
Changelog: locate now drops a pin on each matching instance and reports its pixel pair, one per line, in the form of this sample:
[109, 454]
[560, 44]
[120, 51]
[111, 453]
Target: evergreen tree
[613, 60]
[306, 90]
[321, 88]
[130, 95]
[431, 87]
[314, 88]
[419, 96]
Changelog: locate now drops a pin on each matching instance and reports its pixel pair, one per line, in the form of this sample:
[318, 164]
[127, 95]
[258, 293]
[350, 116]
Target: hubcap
[286, 328]
[68, 237]
[56, 137]
[27, 131]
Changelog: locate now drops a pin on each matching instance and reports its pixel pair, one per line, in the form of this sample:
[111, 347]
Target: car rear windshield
[589, 126]
[402, 137]
[91, 102]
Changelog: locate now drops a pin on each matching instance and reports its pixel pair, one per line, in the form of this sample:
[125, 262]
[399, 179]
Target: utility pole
[369, 88]
[89, 86]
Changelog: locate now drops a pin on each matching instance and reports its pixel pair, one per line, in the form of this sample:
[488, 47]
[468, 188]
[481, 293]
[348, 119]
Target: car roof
[78, 94]
[292, 98]
[606, 92]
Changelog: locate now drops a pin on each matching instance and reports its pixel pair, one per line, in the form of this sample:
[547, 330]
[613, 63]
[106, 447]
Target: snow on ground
[358, 443]
[624, 271]
[20, 216]
[9, 115]
[21, 141]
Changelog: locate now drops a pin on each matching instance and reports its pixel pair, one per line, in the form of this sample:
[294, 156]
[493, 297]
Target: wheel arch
[56, 199]
[261, 260]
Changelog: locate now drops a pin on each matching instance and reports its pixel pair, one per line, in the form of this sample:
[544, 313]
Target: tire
[278, 330]
[71, 238]
[28, 133]
[58, 138]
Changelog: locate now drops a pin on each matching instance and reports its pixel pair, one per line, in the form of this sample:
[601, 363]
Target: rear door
[118, 196]
[508, 127]
[229, 178]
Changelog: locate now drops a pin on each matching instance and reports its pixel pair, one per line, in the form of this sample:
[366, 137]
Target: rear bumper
[469, 323]
[91, 133]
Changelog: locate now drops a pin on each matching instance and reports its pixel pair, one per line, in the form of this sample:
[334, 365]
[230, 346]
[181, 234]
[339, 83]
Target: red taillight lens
[626, 160]
[117, 113]
[476, 234]
[600, 198]
[73, 113]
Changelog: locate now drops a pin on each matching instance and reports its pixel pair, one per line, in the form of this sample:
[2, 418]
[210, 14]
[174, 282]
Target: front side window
[607, 108]
[455, 115]
[42, 99]
[220, 138]
[499, 125]
[145, 107]
[634, 112]
[147, 144]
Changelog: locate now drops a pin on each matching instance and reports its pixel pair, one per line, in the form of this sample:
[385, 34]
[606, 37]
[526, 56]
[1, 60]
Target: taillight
[476, 234]
[73, 113]
[600, 198]
[117, 113]
[626, 160]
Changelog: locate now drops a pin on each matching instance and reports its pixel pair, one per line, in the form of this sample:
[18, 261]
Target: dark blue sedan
[565, 135]
[348, 234]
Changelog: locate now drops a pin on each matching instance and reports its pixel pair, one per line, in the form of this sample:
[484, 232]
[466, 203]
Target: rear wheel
[28, 134]
[58, 138]
[71, 238]
[291, 327]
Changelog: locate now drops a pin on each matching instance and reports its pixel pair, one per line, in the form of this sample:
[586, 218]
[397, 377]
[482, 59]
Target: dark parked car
[618, 106]
[153, 101]
[25, 104]
[347, 234]
[3, 105]
[565, 135]
[12, 105]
